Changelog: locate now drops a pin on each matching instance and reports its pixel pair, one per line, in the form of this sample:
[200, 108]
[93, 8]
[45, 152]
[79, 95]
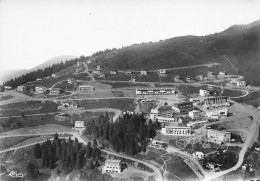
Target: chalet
[129, 72]
[204, 93]
[241, 83]
[40, 89]
[198, 154]
[97, 72]
[222, 73]
[54, 75]
[197, 123]
[200, 77]
[102, 75]
[55, 91]
[71, 81]
[162, 71]
[143, 72]
[113, 72]
[188, 78]
[85, 88]
[99, 67]
[80, 63]
[112, 166]
[158, 144]
[182, 106]
[7, 88]
[89, 61]
[22, 88]
[79, 124]
[79, 70]
[39, 79]
[177, 78]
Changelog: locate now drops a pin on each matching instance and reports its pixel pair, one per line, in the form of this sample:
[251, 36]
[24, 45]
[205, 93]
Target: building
[188, 78]
[168, 117]
[99, 67]
[85, 88]
[80, 63]
[218, 137]
[176, 131]
[233, 81]
[222, 73]
[154, 114]
[194, 114]
[128, 72]
[112, 166]
[97, 72]
[39, 79]
[216, 102]
[200, 77]
[241, 83]
[177, 78]
[7, 88]
[40, 89]
[79, 70]
[204, 93]
[211, 75]
[182, 106]
[71, 81]
[22, 88]
[80, 127]
[158, 144]
[102, 75]
[55, 91]
[198, 154]
[216, 113]
[143, 72]
[54, 75]
[162, 71]
[155, 91]
[113, 72]
[197, 123]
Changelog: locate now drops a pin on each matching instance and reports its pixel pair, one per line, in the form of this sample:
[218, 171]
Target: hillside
[54, 60]
[239, 44]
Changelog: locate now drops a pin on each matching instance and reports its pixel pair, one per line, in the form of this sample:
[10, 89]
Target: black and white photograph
[129, 90]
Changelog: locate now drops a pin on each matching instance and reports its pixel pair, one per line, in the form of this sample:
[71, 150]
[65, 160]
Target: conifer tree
[37, 151]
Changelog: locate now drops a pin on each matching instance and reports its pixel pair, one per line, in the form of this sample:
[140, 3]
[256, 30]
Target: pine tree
[37, 151]
[72, 158]
[63, 150]
[88, 151]
[44, 157]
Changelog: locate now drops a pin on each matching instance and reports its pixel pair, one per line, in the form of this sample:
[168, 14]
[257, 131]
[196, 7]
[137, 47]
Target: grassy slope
[240, 44]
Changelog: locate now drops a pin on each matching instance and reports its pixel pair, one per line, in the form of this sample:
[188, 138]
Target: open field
[5, 97]
[28, 107]
[251, 99]
[232, 93]
[116, 85]
[177, 167]
[126, 104]
[47, 128]
[12, 141]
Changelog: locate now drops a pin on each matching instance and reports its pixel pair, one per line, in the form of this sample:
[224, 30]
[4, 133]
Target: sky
[33, 31]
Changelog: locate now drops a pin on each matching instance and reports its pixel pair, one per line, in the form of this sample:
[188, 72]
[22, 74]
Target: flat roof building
[85, 88]
[112, 166]
[218, 137]
[176, 131]
[216, 102]
[182, 106]
[156, 91]
[7, 88]
[22, 88]
[40, 89]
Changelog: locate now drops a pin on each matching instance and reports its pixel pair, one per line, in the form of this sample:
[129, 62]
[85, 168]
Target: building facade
[204, 93]
[182, 107]
[218, 137]
[112, 166]
[176, 131]
[217, 113]
[22, 88]
[155, 91]
[216, 102]
[143, 72]
[85, 88]
[197, 123]
[40, 89]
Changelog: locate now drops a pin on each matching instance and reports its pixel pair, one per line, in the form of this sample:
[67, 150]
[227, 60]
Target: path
[86, 71]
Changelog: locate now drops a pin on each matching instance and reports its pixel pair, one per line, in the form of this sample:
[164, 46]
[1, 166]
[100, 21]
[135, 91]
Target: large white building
[216, 102]
[176, 131]
[155, 91]
[112, 166]
[204, 93]
[85, 88]
[194, 114]
[197, 123]
[217, 113]
[218, 137]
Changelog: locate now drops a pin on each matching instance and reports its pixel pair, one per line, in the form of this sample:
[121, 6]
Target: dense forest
[40, 73]
[129, 134]
[64, 156]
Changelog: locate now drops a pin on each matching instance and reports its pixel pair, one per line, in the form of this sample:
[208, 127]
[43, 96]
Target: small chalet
[112, 166]
[183, 106]
[7, 88]
[143, 72]
[113, 72]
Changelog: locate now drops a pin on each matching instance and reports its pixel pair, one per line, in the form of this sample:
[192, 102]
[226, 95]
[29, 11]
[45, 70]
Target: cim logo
[15, 174]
